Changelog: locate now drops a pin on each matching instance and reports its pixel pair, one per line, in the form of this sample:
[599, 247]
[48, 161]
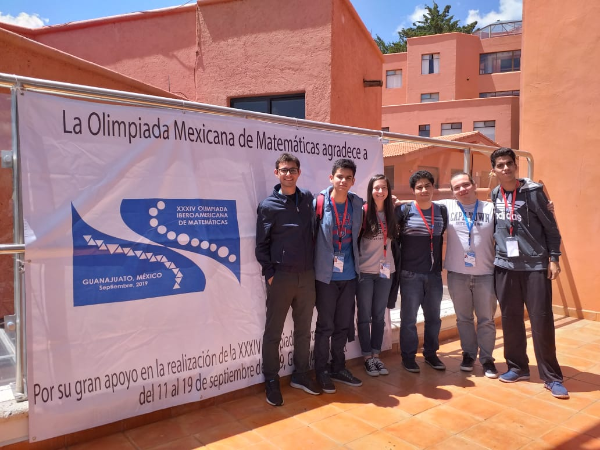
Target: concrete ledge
[578, 313]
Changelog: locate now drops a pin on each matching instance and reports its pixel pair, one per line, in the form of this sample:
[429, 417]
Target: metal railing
[17, 83]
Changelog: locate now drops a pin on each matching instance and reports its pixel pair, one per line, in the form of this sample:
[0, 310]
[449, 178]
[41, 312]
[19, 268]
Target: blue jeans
[474, 293]
[425, 290]
[371, 300]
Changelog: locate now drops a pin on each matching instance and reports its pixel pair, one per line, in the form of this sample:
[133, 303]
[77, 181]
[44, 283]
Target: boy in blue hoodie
[336, 272]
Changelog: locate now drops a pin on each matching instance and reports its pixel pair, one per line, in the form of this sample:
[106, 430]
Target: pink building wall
[504, 110]
[355, 58]
[559, 126]
[394, 96]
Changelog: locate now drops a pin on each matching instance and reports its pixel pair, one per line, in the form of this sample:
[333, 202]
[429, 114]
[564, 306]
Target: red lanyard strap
[512, 209]
[383, 226]
[430, 229]
[340, 226]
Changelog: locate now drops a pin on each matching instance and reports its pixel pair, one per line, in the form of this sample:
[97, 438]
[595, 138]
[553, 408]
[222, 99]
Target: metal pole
[19, 267]
[467, 160]
[9, 249]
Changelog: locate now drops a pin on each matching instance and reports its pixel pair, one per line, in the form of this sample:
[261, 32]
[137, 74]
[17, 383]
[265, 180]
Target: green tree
[434, 22]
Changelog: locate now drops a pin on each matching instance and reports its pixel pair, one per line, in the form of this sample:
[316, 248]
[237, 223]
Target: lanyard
[430, 229]
[469, 225]
[512, 210]
[383, 226]
[340, 226]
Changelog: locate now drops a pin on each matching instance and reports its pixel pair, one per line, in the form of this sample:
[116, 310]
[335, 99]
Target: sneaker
[325, 382]
[306, 383]
[512, 377]
[346, 377]
[435, 362]
[381, 367]
[371, 367]
[273, 392]
[557, 389]
[467, 363]
[489, 369]
[411, 365]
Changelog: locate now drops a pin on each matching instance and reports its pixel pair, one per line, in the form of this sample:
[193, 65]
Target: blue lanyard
[469, 225]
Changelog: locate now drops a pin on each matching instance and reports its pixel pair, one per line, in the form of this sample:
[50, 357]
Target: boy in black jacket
[285, 250]
[527, 253]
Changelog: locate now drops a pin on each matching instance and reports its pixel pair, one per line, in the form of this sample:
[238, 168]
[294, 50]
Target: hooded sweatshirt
[534, 227]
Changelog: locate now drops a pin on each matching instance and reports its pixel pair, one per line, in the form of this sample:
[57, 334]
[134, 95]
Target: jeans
[534, 290]
[371, 300]
[425, 290]
[298, 291]
[335, 305]
[474, 293]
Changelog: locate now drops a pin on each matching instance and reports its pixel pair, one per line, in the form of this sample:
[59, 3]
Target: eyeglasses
[292, 171]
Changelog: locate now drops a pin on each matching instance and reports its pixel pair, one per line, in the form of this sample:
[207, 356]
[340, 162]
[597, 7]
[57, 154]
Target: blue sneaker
[557, 389]
[513, 377]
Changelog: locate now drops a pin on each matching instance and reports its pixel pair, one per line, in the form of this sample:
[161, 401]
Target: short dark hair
[344, 164]
[459, 174]
[418, 175]
[286, 157]
[502, 151]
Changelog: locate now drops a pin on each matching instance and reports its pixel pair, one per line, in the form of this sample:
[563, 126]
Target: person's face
[505, 169]
[380, 191]
[285, 175]
[423, 190]
[464, 191]
[342, 180]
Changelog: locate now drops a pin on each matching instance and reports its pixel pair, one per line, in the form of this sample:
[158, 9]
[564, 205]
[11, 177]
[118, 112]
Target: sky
[381, 17]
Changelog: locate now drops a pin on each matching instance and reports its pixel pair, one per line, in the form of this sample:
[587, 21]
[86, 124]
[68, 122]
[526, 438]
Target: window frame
[394, 76]
[425, 128]
[269, 99]
[452, 126]
[430, 99]
[428, 63]
[492, 62]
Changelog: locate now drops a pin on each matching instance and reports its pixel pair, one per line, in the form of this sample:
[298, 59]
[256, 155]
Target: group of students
[338, 253]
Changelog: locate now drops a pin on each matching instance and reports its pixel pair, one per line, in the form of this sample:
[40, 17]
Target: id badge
[385, 270]
[512, 247]
[338, 262]
[469, 259]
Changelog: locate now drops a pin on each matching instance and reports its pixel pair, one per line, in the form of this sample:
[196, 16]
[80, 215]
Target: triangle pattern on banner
[102, 247]
[87, 237]
[153, 259]
[119, 249]
[112, 247]
[91, 242]
[176, 271]
[99, 243]
[176, 286]
[138, 253]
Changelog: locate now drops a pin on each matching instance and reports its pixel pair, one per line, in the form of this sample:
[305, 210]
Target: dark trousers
[534, 290]
[424, 290]
[298, 291]
[335, 306]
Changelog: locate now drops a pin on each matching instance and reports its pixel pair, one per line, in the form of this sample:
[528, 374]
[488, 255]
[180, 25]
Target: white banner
[142, 287]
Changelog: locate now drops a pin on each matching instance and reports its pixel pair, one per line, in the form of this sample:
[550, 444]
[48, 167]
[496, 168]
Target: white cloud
[24, 20]
[416, 15]
[509, 10]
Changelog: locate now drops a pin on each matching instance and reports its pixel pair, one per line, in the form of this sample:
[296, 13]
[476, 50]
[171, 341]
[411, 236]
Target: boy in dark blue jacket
[285, 249]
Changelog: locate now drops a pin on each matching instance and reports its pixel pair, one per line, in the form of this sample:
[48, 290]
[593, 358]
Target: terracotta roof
[403, 148]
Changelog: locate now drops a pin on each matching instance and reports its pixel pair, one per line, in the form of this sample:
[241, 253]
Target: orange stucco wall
[504, 110]
[559, 125]
[261, 47]
[355, 58]
[394, 96]
[158, 50]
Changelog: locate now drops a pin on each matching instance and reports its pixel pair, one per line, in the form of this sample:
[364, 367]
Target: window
[451, 128]
[487, 128]
[430, 63]
[388, 171]
[393, 79]
[500, 62]
[499, 94]
[385, 128]
[424, 131]
[432, 97]
[282, 105]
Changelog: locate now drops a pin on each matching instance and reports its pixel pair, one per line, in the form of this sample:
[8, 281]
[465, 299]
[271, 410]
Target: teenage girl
[376, 271]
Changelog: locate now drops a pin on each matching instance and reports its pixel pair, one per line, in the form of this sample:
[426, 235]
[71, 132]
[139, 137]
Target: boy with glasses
[284, 249]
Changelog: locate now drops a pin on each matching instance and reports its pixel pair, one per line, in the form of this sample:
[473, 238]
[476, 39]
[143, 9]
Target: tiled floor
[432, 409]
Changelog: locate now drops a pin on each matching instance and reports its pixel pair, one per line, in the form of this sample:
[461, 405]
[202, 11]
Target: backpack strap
[319, 207]
[444, 212]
